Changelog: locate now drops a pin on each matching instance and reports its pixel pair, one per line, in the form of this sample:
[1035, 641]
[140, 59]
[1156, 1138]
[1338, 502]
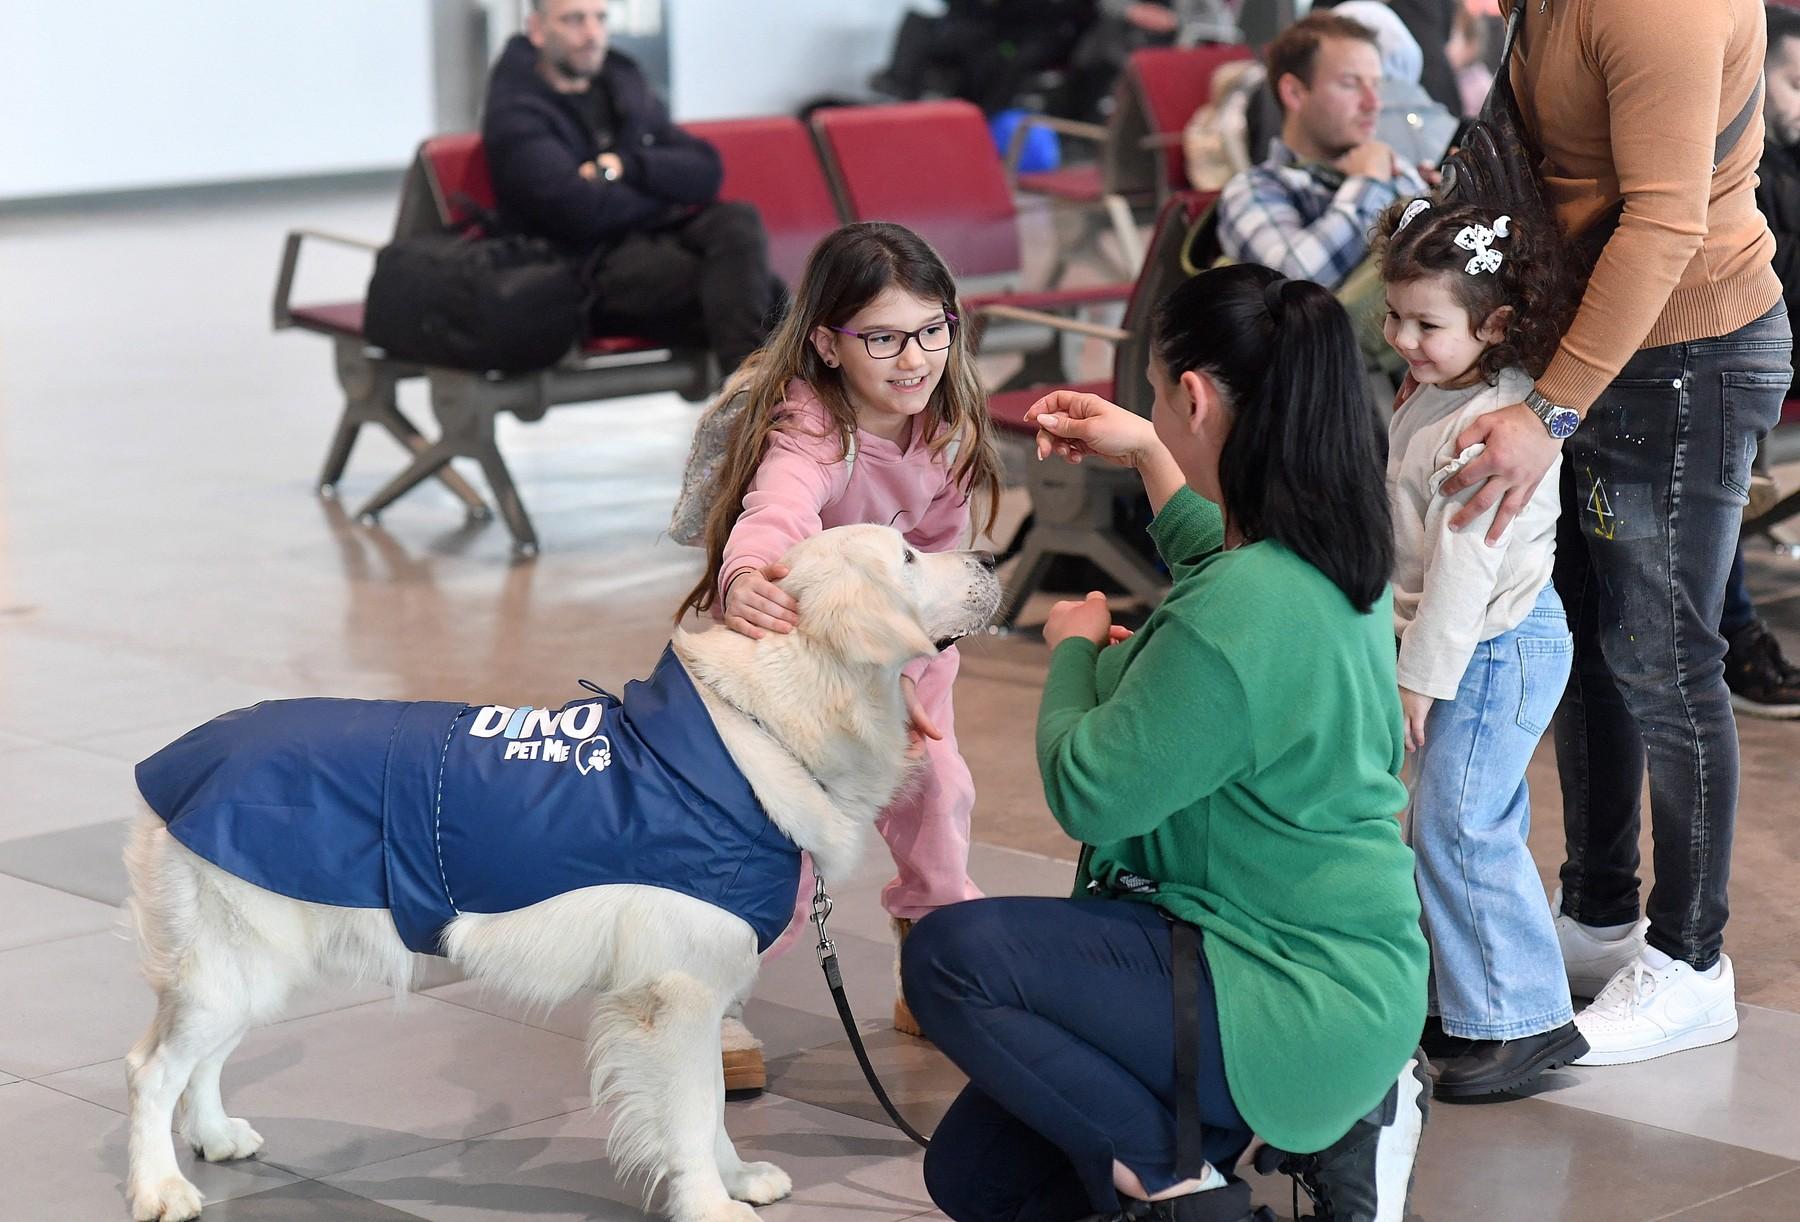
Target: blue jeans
[1062, 1014]
[1497, 973]
[1654, 485]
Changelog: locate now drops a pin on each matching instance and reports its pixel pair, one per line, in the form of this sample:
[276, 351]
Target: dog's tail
[160, 911]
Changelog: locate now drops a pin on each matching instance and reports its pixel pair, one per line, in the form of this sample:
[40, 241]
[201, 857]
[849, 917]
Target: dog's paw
[170, 1200]
[759, 1183]
[723, 1211]
[233, 1139]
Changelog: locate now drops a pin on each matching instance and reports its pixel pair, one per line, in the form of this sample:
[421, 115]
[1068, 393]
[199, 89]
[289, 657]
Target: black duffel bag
[512, 304]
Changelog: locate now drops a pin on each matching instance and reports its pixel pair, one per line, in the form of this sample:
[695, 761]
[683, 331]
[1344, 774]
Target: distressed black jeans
[1654, 484]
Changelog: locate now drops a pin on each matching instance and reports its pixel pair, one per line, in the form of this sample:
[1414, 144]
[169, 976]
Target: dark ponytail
[1305, 463]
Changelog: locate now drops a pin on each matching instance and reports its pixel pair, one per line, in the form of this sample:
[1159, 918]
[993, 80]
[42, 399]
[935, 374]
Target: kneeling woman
[1232, 773]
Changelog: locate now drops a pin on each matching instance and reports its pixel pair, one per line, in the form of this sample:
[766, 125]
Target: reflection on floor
[162, 559]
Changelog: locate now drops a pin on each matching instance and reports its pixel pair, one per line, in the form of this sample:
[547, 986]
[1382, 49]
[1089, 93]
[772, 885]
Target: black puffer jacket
[537, 139]
[1778, 195]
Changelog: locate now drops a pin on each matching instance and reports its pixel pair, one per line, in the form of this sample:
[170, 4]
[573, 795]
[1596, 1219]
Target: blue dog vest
[432, 809]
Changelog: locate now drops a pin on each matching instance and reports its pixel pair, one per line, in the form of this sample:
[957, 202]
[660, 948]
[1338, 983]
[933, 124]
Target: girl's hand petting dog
[753, 602]
[1090, 619]
[919, 725]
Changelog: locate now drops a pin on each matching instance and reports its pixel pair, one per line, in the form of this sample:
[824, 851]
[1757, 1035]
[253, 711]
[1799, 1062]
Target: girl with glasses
[864, 406]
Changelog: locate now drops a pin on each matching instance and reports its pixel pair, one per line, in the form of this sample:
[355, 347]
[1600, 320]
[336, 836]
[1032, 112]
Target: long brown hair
[847, 270]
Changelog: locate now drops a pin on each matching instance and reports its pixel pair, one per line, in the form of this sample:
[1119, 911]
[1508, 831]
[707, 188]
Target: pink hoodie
[803, 487]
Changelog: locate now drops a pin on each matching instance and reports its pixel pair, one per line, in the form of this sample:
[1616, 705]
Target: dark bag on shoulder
[1495, 163]
[511, 304]
[1497, 159]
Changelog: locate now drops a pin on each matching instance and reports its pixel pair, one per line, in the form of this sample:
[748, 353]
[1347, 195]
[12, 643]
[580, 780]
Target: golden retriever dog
[814, 722]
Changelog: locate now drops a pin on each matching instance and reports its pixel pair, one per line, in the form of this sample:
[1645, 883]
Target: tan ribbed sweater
[1627, 98]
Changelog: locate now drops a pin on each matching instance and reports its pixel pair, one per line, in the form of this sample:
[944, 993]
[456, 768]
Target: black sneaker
[1493, 1067]
[1762, 682]
[1228, 1204]
[1366, 1175]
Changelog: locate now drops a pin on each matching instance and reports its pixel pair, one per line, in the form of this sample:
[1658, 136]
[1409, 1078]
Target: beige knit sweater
[1627, 98]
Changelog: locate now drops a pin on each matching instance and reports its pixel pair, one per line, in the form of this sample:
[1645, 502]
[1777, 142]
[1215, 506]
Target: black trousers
[702, 282]
[1062, 1014]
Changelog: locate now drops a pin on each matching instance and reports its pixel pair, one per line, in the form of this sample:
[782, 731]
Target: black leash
[821, 909]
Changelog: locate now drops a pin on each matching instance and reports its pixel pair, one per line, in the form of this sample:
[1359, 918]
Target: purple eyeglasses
[885, 345]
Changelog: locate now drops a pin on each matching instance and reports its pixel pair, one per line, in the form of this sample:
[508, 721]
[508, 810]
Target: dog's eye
[910, 556]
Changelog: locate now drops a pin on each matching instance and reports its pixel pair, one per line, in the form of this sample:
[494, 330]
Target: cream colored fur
[815, 721]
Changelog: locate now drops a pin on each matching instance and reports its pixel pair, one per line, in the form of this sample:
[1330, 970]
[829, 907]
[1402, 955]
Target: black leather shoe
[1439, 1044]
[1493, 1067]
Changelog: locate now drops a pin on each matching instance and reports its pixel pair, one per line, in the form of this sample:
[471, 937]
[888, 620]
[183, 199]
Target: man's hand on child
[754, 603]
[919, 725]
[1088, 618]
[1517, 456]
[1416, 708]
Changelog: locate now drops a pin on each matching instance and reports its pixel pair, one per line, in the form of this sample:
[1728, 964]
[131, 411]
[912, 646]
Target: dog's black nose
[985, 560]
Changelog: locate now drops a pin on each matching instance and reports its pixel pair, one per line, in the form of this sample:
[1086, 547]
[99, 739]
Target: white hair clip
[1480, 239]
[1412, 210]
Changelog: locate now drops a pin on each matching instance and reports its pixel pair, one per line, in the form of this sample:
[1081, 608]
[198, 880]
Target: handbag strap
[1726, 140]
[1190, 1152]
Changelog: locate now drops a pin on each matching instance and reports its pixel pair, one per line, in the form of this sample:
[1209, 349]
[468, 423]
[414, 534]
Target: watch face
[1563, 422]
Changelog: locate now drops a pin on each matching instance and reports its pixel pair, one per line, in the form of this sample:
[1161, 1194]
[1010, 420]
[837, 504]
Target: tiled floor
[162, 558]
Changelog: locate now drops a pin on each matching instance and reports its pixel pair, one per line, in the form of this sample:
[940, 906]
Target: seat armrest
[1094, 133]
[290, 263]
[1076, 326]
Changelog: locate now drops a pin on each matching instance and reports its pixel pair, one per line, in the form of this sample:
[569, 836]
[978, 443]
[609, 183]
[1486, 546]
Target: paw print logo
[594, 755]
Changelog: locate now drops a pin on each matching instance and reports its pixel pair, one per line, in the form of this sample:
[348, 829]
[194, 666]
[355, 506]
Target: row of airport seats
[851, 163]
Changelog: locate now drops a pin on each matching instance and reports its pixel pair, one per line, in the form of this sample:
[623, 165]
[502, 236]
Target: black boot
[1365, 1175]
[1763, 683]
[1493, 1067]
[1228, 1204]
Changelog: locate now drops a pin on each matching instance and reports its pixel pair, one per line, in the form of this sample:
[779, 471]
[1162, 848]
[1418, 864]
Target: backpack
[706, 457]
[512, 304]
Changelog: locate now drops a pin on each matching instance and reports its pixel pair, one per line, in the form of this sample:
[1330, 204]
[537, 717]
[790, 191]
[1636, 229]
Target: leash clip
[821, 911]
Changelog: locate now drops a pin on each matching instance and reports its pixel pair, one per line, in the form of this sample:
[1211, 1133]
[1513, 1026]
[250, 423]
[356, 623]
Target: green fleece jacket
[1243, 752]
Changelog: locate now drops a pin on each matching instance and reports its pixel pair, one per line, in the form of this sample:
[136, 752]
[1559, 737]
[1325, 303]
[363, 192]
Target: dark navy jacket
[432, 809]
[536, 139]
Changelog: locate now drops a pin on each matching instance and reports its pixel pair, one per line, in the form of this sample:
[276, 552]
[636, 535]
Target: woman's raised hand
[1075, 425]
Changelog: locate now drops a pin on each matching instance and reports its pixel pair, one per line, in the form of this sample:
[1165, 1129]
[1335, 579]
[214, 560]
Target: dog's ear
[861, 616]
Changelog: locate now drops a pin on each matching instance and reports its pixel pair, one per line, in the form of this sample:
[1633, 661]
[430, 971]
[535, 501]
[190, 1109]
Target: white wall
[732, 58]
[103, 95]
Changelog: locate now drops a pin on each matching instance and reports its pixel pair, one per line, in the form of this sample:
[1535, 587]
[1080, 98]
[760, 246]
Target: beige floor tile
[30, 913]
[51, 788]
[1741, 1092]
[80, 1002]
[1530, 1161]
[64, 1159]
[334, 1091]
[557, 1169]
[1776, 1199]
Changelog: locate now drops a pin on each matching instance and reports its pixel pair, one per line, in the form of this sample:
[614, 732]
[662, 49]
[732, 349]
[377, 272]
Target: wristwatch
[1559, 421]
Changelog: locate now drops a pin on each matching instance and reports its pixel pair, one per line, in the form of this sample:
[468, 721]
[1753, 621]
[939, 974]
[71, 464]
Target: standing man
[1307, 210]
[1763, 682]
[1672, 371]
[582, 152]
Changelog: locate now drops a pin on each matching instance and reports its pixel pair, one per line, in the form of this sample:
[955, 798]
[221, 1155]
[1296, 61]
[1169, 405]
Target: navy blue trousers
[1062, 1014]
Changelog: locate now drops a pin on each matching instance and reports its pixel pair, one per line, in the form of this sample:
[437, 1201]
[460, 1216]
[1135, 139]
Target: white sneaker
[1647, 1012]
[1590, 961]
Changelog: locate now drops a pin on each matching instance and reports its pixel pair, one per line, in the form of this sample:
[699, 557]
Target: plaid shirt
[1308, 222]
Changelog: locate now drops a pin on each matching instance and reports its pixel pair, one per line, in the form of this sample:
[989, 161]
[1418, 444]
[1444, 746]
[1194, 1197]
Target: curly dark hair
[1536, 278]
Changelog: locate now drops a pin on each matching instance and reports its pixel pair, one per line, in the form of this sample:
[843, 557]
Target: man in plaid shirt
[1308, 209]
